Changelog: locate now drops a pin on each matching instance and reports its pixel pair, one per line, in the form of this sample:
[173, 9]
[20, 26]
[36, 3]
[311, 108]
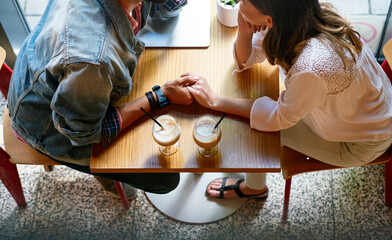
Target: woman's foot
[233, 188]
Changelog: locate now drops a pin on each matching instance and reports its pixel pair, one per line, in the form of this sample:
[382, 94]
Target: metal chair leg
[122, 195]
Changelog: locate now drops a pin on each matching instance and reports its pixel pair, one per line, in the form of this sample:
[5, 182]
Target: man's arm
[174, 90]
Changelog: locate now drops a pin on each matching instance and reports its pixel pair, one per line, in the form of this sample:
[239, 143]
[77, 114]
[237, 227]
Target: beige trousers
[344, 154]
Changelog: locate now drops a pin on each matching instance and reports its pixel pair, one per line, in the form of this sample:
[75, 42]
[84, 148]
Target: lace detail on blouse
[321, 59]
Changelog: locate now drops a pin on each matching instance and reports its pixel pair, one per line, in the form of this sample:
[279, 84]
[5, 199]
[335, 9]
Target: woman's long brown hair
[297, 20]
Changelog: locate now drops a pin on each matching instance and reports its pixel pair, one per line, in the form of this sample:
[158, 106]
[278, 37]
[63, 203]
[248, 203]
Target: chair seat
[293, 162]
[21, 153]
[387, 49]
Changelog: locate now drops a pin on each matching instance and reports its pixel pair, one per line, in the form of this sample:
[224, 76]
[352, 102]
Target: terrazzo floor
[66, 204]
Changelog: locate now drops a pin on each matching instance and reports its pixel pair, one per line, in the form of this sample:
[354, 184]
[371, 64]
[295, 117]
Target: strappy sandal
[236, 188]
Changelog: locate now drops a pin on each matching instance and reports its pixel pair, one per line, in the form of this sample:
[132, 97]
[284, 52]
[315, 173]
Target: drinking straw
[151, 117]
[220, 120]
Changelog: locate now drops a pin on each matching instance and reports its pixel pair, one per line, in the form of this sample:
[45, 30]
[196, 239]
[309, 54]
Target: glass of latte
[167, 137]
[206, 136]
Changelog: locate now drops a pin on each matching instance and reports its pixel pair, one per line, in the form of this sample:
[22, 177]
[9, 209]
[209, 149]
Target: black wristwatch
[162, 99]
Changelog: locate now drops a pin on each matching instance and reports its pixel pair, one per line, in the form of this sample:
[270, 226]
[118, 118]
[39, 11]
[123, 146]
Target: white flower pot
[227, 14]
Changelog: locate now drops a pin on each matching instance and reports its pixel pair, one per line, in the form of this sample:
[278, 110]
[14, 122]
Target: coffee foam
[204, 133]
[169, 134]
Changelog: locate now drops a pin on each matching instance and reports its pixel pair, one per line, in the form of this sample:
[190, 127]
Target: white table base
[189, 203]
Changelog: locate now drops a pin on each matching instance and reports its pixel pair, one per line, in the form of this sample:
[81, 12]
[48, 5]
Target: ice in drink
[206, 136]
[168, 136]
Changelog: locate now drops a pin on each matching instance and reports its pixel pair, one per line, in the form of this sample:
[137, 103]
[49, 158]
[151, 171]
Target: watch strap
[163, 101]
[151, 100]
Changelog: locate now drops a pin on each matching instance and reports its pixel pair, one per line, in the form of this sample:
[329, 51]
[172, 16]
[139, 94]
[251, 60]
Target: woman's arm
[305, 92]
[203, 94]
[243, 42]
[237, 106]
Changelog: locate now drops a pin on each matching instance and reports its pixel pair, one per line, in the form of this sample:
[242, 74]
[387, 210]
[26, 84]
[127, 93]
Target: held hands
[201, 91]
[176, 90]
[188, 87]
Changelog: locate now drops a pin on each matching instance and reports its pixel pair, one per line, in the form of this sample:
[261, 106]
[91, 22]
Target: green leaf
[229, 2]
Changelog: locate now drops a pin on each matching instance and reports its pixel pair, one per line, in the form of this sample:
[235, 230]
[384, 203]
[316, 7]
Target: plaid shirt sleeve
[111, 125]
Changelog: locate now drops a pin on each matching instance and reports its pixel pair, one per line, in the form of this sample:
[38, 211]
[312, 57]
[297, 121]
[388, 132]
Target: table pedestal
[189, 202]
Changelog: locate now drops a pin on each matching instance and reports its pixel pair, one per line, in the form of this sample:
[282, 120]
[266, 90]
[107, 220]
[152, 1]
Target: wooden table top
[241, 148]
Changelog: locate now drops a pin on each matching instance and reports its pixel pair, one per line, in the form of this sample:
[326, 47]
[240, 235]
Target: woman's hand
[204, 95]
[245, 26]
[202, 92]
[176, 91]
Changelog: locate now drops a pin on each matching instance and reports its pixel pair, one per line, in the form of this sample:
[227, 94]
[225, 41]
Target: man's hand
[176, 91]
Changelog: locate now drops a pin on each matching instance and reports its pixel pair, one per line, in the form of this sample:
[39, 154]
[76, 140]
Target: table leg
[189, 202]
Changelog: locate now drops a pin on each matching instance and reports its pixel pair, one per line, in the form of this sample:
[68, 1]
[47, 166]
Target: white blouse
[345, 105]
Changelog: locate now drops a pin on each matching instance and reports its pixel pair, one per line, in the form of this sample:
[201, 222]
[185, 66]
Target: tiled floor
[65, 204]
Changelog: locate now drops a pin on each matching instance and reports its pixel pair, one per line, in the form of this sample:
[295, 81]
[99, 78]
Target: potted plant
[227, 11]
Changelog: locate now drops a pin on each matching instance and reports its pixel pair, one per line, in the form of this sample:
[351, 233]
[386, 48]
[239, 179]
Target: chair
[18, 152]
[293, 162]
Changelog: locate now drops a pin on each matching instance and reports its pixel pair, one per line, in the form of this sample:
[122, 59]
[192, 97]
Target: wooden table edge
[173, 170]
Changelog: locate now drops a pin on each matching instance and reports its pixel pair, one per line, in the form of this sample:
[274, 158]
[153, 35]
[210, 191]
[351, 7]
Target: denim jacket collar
[122, 25]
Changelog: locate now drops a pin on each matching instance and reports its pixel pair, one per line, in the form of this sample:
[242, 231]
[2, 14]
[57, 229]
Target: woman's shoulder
[315, 54]
[319, 57]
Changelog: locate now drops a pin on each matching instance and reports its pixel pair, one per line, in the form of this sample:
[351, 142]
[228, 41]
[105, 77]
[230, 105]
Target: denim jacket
[78, 60]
